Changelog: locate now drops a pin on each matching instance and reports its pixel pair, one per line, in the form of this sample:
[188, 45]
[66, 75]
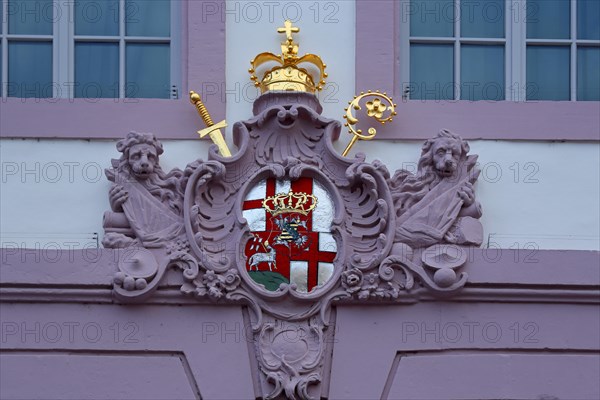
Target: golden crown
[293, 202]
[287, 75]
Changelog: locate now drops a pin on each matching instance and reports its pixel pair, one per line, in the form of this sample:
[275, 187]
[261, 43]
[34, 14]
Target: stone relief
[146, 203]
[289, 356]
[288, 227]
[437, 215]
[437, 204]
[146, 214]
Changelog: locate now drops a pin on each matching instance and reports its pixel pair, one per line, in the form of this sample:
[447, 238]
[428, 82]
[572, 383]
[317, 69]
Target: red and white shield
[291, 226]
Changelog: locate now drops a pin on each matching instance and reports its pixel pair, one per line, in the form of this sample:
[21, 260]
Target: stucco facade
[526, 324]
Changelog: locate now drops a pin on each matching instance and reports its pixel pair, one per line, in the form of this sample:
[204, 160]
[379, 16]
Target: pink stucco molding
[551, 120]
[202, 70]
[378, 67]
[106, 118]
[493, 273]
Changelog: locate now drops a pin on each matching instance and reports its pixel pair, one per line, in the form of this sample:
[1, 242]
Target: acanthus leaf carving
[368, 214]
[271, 144]
[289, 356]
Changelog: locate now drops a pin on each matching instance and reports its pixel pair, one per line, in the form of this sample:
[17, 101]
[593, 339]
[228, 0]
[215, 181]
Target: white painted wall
[326, 28]
[534, 194]
[53, 191]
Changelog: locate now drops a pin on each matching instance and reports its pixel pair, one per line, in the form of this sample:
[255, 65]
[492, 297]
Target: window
[500, 49]
[563, 57]
[89, 48]
[26, 50]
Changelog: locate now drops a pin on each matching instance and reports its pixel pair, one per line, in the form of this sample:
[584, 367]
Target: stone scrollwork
[387, 235]
[288, 226]
[289, 357]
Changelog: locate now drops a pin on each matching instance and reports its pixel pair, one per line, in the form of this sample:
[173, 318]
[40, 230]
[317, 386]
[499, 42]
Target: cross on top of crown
[288, 29]
[288, 75]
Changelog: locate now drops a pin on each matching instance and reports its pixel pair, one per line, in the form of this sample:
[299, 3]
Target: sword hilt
[197, 102]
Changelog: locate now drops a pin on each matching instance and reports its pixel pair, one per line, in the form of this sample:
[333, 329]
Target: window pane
[432, 17]
[93, 17]
[588, 73]
[481, 72]
[482, 18]
[148, 18]
[432, 71]
[96, 70]
[30, 17]
[148, 70]
[29, 69]
[548, 69]
[588, 19]
[548, 19]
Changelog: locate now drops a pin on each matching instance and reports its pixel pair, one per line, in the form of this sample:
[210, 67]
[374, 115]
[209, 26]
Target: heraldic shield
[291, 243]
[287, 227]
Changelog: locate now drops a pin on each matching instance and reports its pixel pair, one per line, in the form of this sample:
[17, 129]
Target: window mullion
[4, 68]
[518, 46]
[508, 54]
[457, 50]
[573, 74]
[55, 59]
[122, 18]
[60, 52]
[4, 41]
[175, 50]
[404, 53]
[71, 51]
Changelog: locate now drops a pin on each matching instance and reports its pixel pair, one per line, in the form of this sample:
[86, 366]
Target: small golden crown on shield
[292, 202]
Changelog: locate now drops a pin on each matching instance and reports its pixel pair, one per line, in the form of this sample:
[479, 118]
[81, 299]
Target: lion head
[442, 154]
[140, 154]
[440, 158]
[140, 161]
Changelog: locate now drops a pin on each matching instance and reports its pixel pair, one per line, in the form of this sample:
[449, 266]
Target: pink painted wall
[523, 327]
[71, 350]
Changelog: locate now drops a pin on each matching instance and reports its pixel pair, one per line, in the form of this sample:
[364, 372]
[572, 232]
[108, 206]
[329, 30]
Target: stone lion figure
[437, 204]
[146, 203]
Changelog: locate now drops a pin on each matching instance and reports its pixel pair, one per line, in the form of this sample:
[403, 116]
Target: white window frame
[515, 45]
[63, 48]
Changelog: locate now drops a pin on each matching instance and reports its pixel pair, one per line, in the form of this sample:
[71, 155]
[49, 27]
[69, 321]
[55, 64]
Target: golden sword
[212, 130]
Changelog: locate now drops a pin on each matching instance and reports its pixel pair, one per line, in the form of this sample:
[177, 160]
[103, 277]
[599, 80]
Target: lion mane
[407, 188]
[164, 186]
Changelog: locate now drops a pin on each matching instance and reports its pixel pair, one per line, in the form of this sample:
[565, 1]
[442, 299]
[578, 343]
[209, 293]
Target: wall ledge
[74, 276]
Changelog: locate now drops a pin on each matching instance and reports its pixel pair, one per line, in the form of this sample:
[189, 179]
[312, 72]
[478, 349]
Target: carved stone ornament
[288, 226]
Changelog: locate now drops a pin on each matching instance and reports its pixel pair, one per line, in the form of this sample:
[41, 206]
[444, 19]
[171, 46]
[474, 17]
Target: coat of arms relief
[288, 226]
